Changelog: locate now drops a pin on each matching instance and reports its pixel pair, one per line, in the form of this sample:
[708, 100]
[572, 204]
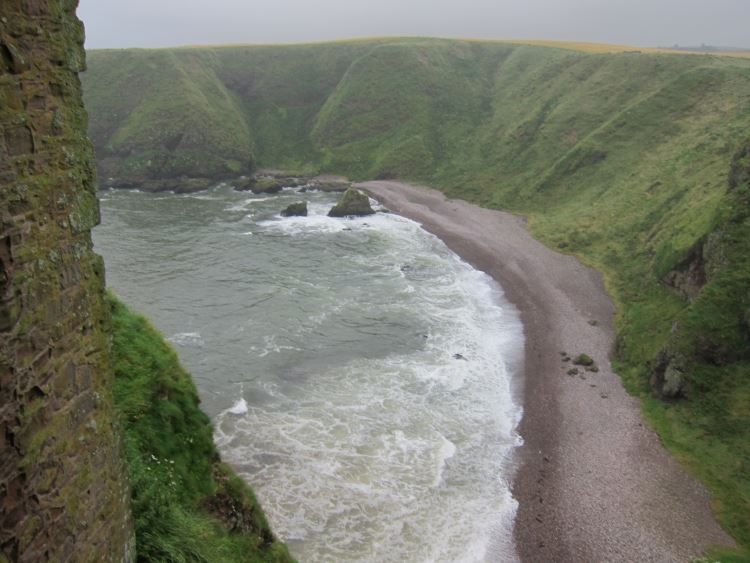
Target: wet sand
[593, 482]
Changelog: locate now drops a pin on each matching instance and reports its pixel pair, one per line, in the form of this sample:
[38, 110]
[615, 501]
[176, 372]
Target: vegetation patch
[187, 505]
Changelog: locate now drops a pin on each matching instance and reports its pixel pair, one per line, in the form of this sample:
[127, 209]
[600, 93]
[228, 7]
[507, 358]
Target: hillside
[635, 162]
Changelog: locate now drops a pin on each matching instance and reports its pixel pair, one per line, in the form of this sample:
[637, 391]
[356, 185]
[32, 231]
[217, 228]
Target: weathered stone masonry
[63, 495]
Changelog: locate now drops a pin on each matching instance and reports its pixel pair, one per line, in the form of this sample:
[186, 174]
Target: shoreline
[593, 481]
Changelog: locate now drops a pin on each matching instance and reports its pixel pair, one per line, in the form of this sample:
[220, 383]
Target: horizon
[584, 46]
[170, 24]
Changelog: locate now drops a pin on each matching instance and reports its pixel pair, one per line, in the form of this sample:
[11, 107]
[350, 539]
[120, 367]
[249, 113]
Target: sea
[360, 376]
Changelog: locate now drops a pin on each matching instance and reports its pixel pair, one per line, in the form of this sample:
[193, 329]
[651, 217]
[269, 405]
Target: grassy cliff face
[165, 115]
[637, 163]
[187, 505]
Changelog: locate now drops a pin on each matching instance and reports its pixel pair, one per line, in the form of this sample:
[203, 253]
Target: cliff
[105, 454]
[635, 162]
[187, 505]
[63, 490]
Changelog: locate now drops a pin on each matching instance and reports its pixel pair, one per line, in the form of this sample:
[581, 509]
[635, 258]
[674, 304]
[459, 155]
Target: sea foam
[400, 457]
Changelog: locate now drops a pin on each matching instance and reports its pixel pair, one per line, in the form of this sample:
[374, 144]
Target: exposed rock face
[298, 209]
[668, 379]
[701, 263]
[352, 203]
[63, 491]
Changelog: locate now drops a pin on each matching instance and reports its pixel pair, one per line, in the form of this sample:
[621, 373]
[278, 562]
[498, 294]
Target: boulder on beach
[583, 360]
[298, 209]
[352, 203]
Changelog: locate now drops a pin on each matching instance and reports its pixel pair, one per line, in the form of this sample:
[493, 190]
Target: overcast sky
[161, 23]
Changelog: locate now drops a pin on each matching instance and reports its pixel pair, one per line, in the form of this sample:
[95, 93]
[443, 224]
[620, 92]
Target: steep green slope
[163, 116]
[628, 160]
[187, 505]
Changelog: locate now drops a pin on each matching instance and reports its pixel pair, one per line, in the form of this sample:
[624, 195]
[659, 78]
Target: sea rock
[244, 184]
[178, 185]
[266, 186]
[298, 209]
[352, 203]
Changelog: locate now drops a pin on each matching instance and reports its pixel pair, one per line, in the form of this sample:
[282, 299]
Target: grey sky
[159, 23]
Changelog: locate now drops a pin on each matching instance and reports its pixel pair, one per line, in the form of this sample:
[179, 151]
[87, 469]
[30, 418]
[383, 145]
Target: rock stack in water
[352, 203]
[298, 209]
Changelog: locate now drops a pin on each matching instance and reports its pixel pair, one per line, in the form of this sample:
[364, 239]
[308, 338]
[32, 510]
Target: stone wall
[63, 494]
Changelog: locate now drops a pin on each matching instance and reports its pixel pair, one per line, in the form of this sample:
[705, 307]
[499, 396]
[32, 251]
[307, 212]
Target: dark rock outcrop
[668, 376]
[331, 186]
[268, 184]
[352, 203]
[298, 209]
[698, 267]
[181, 185]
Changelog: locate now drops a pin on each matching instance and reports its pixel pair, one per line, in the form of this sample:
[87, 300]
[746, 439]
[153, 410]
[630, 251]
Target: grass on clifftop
[187, 505]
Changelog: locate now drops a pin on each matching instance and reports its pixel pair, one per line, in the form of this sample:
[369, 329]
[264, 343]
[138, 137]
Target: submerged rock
[352, 203]
[298, 209]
